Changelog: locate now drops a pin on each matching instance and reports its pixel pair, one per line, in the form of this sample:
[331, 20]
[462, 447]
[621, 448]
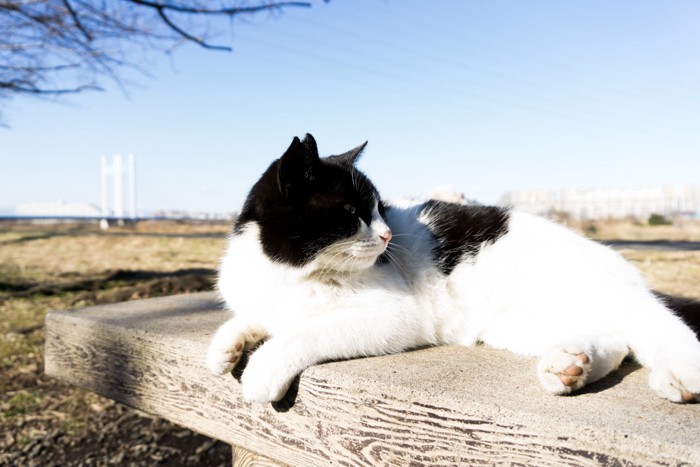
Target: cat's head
[317, 211]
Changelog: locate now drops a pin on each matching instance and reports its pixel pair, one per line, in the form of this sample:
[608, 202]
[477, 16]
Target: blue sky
[482, 96]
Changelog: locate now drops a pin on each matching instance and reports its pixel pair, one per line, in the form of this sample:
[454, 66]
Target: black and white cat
[320, 266]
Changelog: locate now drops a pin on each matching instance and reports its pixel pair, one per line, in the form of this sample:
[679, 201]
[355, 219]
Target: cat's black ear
[351, 156]
[298, 164]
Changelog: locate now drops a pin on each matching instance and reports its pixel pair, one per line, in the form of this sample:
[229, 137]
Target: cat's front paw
[564, 369]
[679, 382]
[222, 357]
[268, 375]
[228, 344]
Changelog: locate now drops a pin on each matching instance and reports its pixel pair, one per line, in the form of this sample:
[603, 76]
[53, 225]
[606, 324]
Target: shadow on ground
[656, 245]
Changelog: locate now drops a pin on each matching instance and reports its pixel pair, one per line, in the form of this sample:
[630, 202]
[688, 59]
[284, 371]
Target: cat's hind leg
[674, 360]
[663, 343]
[574, 363]
[232, 338]
[678, 382]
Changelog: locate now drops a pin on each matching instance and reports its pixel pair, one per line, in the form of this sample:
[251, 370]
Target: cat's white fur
[539, 290]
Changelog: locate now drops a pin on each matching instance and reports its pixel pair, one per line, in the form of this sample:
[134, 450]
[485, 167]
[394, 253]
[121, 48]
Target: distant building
[57, 209]
[612, 203]
[192, 215]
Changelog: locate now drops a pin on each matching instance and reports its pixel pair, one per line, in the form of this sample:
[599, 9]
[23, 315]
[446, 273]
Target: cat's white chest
[280, 296]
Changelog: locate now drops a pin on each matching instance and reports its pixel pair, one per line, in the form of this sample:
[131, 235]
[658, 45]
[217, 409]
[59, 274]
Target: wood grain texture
[440, 406]
[244, 458]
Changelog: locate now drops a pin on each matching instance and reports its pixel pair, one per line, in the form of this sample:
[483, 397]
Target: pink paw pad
[564, 369]
[571, 374]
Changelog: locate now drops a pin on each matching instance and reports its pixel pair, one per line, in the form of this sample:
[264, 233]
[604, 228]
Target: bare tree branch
[76, 20]
[230, 11]
[29, 88]
[186, 35]
[57, 47]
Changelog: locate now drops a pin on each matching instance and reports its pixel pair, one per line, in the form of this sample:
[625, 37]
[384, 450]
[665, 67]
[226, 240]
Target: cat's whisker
[397, 263]
[401, 248]
[343, 263]
[330, 267]
[399, 252]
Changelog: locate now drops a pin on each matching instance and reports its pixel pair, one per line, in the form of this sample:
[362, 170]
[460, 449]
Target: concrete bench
[438, 406]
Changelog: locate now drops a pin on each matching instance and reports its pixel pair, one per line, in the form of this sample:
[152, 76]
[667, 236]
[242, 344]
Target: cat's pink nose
[386, 236]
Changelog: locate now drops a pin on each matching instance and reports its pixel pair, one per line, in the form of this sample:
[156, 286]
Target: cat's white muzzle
[358, 252]
[372, 241]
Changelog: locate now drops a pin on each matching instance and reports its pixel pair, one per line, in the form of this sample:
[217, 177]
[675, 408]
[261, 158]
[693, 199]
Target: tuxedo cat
[323, 269]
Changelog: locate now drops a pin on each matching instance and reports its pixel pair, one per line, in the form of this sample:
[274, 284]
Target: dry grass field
[681, 230]
[671, 272]
[46, 267]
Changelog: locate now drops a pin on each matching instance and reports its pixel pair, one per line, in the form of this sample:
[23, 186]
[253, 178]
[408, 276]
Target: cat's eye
[350, 208]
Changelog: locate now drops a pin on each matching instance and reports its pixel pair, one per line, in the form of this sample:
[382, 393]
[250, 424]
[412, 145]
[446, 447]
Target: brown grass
[47, 267]
[673, 272]
[681, 230]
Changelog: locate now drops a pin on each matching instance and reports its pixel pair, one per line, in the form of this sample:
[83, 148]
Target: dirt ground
[46, 266]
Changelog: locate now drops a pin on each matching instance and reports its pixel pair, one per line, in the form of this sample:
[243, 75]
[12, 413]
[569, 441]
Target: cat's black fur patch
[460, 230]
[685, 308]
[304, 203]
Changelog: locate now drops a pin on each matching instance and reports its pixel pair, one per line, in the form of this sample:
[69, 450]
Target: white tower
[118, 186]
[104, 186]
[131, 173]
[122, 178]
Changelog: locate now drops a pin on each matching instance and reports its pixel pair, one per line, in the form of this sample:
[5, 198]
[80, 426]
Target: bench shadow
[289, 399]
[628, 367]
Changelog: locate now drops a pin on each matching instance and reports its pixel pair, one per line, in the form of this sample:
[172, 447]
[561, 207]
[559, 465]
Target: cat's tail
[685, 308]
